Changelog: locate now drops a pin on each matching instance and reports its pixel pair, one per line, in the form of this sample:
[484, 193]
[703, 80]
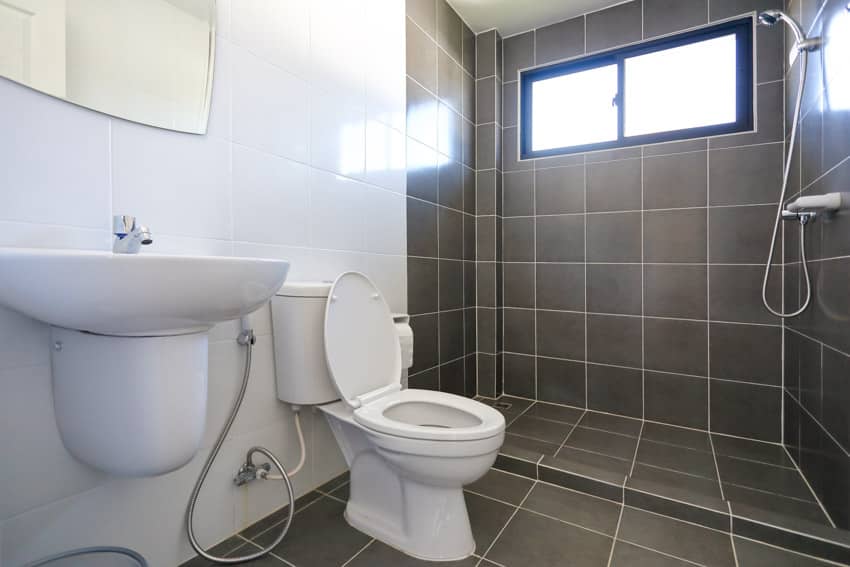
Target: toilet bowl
[410, 452]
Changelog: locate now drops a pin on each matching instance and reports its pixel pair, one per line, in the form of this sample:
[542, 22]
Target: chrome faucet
[129, 237]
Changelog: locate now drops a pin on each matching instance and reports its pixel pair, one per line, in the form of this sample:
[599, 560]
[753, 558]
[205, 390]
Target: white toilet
[410, 451]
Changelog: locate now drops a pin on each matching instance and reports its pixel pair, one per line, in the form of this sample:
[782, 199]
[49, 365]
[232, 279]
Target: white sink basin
[134, 295]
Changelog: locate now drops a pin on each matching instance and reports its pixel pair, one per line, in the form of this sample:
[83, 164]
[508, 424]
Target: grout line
[716, 467]
[616, 532]
[637, 446]
[510, 519]
[361, 550]
[811, 490]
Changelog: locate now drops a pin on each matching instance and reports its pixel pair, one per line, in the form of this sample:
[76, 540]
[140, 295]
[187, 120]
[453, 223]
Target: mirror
[149, 61]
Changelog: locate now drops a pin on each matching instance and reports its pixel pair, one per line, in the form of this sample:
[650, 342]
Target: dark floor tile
[319, 537]
[584, 478]
[694, 543]
[754, 554]
[502, 486]
[574, 507]
[680, 436]
[761, 501]
[555, 412]
[378, 554]
[612, 423]
[603, 442]
[231, 547]
[616, 467]
[681, 459]
[676, 485]
[335, 483]
[786, 482]
[487, 518]
[687, 507]
[531, 539]
[772, 454]
[541, 429]
[279, 515]
[527, 448]
[628, 555]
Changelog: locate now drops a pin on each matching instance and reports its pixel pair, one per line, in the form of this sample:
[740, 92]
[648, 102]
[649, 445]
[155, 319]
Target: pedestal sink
[129, 344]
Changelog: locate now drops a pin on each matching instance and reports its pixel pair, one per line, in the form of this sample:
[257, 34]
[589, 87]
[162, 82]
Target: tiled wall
[817, 344]
[632, 277]
[489, 210]
[304, 160]
[441, 196]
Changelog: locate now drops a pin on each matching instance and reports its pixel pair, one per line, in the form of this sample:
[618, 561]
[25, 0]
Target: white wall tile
[338, 47]
[271, 198]
[231, 191]
[36, 467]
[338, 135]
[277, 31]
[220, 119]
[173, 183]
[271, 108]
[337, 214]
[385, 62]
[385, 157]
[55, 160]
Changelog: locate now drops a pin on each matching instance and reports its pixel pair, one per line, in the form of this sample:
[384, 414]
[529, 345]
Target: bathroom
[196, 187]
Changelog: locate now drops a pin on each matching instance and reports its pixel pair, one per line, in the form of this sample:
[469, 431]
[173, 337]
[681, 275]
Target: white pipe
[301, 461]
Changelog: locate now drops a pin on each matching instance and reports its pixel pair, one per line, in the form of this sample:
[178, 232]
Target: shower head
[772, 17]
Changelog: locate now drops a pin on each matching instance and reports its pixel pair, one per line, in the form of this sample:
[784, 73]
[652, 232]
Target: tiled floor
[682, 464]
[517, 522]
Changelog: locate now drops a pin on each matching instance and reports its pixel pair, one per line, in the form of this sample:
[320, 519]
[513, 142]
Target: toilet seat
[364, 360]
[426, 414]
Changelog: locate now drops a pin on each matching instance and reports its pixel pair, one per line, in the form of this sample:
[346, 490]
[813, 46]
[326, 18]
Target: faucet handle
[123, 224]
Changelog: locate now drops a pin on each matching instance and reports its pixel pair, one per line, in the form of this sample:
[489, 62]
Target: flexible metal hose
[129, 553]
[247, 339]
[804, 62]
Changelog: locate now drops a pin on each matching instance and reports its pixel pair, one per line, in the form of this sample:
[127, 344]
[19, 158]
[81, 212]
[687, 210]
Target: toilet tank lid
[305, 289]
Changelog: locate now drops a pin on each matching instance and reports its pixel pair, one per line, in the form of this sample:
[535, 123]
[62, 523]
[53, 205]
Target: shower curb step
[821, 541]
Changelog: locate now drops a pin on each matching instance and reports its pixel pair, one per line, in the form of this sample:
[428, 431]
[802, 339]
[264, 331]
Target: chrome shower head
[768, 18]
[772, 17]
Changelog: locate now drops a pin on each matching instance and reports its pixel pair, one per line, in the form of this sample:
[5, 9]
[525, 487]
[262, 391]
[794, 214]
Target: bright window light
[575, 109]
[695, 84]
[684, 87]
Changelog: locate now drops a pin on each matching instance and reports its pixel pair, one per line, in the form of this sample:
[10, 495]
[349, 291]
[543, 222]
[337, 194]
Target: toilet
[410, 452]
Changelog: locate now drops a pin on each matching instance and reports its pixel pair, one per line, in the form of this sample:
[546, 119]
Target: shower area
[615, 305]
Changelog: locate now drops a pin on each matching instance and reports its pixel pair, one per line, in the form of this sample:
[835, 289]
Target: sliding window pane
[574, 109]
[683, 87]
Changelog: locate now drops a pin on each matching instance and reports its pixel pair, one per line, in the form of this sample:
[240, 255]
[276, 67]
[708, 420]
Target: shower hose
[247, 339]
[804, 62]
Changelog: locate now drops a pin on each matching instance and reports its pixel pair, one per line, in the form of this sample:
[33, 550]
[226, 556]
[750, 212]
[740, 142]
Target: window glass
[683, 87]
[575, 109]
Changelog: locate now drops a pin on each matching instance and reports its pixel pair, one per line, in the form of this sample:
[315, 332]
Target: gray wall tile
[614, 26]
[518, 54]
[559, 41]
[667, 16]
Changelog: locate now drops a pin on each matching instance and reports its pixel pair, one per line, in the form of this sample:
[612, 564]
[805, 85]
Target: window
[690, 85]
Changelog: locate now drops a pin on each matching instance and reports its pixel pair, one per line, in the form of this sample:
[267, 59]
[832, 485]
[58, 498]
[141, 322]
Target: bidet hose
[247, 339]
[804, 62]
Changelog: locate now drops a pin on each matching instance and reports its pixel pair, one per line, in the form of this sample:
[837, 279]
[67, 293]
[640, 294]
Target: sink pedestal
[130, 406]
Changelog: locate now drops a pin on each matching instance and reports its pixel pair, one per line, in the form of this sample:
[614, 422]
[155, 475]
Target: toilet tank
[298, 316]
[298, 321]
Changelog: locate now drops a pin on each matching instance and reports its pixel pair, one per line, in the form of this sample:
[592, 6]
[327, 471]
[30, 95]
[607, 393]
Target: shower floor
[585, 489]
[517, 522]
[727, 483]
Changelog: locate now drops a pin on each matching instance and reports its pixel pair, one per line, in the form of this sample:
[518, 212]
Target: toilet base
[443, 534]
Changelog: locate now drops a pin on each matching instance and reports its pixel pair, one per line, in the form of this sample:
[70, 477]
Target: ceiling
[514, 16]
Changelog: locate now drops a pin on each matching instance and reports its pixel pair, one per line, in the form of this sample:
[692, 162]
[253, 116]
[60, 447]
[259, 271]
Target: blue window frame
[689, 85]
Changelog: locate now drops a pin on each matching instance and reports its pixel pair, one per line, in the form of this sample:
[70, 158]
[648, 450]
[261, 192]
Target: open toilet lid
[361, 344]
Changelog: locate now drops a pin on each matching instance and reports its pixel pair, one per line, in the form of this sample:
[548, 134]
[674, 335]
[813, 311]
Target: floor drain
[502, 405]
